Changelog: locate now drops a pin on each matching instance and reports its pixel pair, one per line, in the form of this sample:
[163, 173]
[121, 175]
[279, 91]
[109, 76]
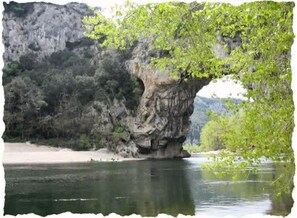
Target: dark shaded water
[145, 187]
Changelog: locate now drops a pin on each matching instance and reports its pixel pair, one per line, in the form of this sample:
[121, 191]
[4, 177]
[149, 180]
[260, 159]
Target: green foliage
[200, 116]
[28, 61]
[137, 91]
[241, 136]
[118, 133]
[60, 57]
[170, 26]
[194, 148]
[188, 32]
[260, 60]
[59, 98]
[24, 101]
[83, 143]
[10, 71]
[117, 83]
[213, 133]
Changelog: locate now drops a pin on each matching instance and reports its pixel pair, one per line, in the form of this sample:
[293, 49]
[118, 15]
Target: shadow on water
[144, 187]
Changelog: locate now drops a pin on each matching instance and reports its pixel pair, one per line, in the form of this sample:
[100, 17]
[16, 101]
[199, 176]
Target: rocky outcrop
[162, 120]
[159, 125]
[41, 28]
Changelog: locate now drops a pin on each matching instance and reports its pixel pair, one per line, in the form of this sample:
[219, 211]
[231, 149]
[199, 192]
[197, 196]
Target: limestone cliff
[41, 28]
[161, 124]
[157, 127]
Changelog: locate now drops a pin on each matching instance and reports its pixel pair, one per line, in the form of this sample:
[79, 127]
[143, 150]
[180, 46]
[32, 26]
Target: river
[147, 187]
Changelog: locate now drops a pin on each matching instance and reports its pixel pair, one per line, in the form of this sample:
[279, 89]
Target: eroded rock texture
[41, 28]
[162, 120]
[159, 125]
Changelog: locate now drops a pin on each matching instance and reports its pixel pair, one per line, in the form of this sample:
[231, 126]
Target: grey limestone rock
[44, 29]
[162, 119]
[160, 124]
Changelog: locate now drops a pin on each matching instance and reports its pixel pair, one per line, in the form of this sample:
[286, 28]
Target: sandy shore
[26, 153]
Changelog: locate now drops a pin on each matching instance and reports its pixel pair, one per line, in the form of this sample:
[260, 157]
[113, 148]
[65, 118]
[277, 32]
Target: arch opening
[211, 98]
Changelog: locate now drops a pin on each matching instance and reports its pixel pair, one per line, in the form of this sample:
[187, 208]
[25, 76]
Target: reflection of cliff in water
[148, 188]
[144, 187]
[165, 189]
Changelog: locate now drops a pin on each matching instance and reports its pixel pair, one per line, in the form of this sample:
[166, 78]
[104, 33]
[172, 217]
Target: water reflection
[281, 206]
[147, 188]
[223, 196]
[143, 187]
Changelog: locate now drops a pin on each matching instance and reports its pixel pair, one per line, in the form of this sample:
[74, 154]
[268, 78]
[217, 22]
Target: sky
[223, 88]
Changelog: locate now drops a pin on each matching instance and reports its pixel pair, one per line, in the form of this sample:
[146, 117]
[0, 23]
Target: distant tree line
[200, 116]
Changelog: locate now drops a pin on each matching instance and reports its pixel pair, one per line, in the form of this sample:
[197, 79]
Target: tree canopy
[60, 100]
[251, 41]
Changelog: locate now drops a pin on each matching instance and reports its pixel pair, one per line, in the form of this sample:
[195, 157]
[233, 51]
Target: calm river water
[146, 187]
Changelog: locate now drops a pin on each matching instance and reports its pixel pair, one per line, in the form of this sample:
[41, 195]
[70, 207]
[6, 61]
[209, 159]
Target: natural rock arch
[162, 120]
[163, 116]
[161, 123]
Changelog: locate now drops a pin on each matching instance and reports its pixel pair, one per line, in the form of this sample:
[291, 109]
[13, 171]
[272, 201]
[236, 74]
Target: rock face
[163, 115]
[41, 28]
[159, 125]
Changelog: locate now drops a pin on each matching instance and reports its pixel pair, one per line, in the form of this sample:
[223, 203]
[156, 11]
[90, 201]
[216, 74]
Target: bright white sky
[223, 88]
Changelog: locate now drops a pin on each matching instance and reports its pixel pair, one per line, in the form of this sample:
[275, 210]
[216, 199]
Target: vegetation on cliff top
[188, 34]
